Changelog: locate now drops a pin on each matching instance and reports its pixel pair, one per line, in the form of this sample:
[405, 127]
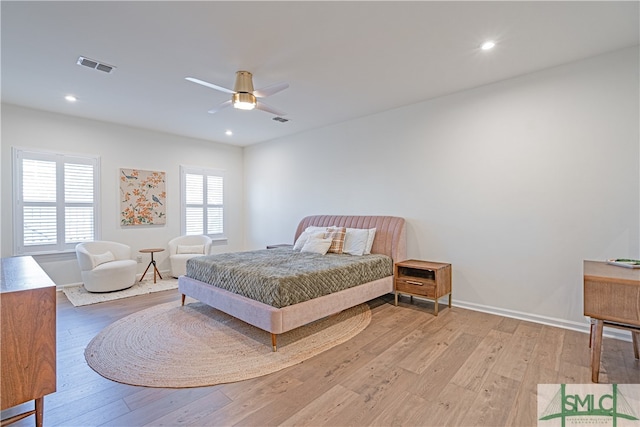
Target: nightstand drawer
[416, 287]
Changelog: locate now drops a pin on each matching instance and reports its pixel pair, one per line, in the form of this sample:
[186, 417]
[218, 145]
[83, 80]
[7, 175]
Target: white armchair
[106, 266]
[183, 248]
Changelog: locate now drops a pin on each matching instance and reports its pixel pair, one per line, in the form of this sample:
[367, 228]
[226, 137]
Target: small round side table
[152, 262]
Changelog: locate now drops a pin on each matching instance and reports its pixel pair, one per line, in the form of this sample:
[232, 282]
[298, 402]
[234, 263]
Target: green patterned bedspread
[281, 277]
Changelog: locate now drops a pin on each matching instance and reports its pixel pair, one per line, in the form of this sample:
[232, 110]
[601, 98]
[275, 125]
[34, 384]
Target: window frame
[60, 159]
[204, 172]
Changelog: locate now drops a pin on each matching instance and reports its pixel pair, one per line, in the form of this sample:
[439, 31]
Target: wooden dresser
[28, 336]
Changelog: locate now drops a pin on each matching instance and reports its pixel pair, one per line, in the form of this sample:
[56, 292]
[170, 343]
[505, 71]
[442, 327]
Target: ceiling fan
[243, 96]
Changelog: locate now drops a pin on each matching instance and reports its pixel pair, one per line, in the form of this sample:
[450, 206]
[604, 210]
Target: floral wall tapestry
[142, 197]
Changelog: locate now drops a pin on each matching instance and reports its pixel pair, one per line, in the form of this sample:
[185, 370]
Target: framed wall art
[142, 197]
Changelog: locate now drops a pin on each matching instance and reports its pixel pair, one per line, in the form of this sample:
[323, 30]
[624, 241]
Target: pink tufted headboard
[390, 236]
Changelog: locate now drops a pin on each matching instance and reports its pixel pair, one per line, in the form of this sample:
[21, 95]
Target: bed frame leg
[273, 342]
[183, 297]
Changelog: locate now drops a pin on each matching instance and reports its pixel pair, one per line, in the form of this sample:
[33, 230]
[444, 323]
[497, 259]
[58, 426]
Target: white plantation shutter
[39, 195]
[202, 200]
[194, 216]
[195, 221]
[55, 201]
[78, 190]
[214, 205]
[40, 225]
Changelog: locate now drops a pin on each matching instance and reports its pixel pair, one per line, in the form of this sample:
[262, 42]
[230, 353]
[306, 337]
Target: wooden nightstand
[425, 279]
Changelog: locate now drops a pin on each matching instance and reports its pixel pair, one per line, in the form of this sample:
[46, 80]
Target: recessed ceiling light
[71, 98]
[228, 133]
[488, 45]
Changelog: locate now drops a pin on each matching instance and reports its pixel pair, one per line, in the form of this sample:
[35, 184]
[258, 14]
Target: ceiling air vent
[92, 63]
[280, 119]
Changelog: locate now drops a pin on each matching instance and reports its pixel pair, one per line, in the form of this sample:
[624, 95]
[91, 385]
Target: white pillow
[372, 235]
[190, 249]
[317, 244]
[316, 229]
[302, 238]
[355, 242]
[102, 258]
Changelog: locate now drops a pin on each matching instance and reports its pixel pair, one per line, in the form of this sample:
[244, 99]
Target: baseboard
[544, 320]
[164, 273]
[67, 285]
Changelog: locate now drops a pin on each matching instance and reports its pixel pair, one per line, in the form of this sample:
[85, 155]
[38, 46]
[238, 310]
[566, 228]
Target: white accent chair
[106, 266]
[183, 248]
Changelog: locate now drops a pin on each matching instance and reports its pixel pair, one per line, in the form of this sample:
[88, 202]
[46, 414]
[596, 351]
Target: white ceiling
[342, 59]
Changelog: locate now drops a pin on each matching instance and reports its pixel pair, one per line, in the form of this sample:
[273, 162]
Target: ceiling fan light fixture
[243, 97]
[243, 101]
[244, 82]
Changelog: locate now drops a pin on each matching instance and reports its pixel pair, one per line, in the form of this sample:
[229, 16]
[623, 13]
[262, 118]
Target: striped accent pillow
[337, 235]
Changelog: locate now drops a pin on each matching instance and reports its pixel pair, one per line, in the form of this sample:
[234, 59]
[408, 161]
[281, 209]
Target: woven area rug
[192, 346]
[78, 295]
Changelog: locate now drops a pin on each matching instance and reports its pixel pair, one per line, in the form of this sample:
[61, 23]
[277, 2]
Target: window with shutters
[55, 201]
[202, 201]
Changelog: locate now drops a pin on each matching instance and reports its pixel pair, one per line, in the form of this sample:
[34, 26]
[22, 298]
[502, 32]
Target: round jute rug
[193, 346]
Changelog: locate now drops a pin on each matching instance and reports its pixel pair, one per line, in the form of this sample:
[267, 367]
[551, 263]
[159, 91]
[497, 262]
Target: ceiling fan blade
[210, 85]
[225, 104]
[270, 90]
[264, 107]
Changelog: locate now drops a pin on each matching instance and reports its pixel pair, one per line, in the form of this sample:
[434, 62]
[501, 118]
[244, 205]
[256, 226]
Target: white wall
[514, 183]
[119, 147]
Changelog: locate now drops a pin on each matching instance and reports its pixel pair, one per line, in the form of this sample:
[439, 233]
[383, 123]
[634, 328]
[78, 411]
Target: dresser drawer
[416, 287]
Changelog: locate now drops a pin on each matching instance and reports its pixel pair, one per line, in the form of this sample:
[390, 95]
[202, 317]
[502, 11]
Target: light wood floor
[409, 368]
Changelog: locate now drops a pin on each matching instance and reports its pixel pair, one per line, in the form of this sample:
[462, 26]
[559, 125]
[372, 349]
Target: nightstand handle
[415, 283]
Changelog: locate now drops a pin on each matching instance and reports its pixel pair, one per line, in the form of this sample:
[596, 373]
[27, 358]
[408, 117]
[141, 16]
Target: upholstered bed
[276, 318]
